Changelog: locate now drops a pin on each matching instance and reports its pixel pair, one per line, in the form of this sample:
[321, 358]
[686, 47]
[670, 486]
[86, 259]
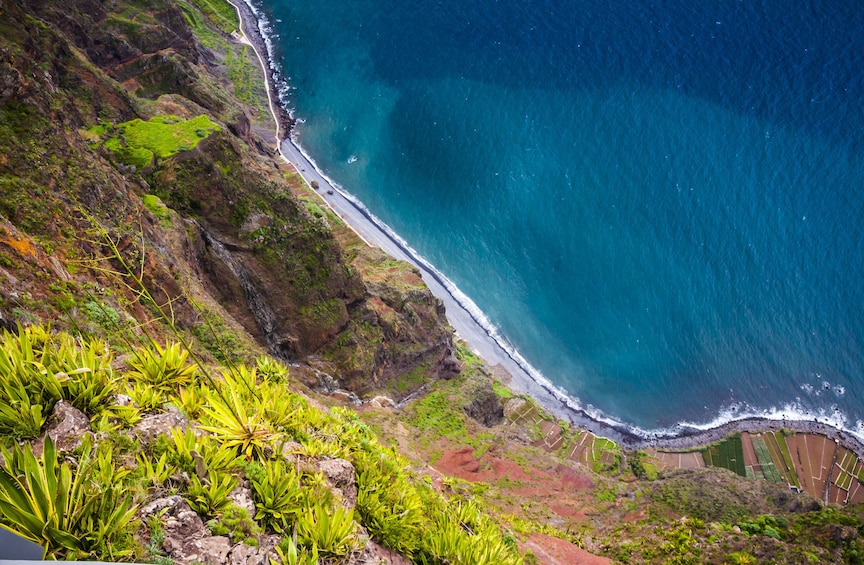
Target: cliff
[139, 203]
[219, 224]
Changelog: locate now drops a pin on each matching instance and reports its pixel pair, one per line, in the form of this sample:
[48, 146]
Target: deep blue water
[658, 203]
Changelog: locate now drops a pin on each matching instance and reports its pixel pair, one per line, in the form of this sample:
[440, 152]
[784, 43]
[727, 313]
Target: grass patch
[501, 390]
[207, 36]
[436, 415]
[241, 73]
[221, 13]
[413, 380]
[137, 142]
[155, 205]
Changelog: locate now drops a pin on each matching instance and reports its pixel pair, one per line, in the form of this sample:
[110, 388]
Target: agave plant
[240, 426]
[155, 471]
[147, 398]
[191, 400]
[28, 390]
[20, 416]
[66, 512]
[390, 508]
[332, 533]
[164, 369]
[84, 372]
[271, 370]
[290, 554]
[279, 496]
[210, 497]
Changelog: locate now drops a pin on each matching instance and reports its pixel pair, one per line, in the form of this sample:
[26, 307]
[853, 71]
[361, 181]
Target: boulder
[183, 529]
[242, 554]
[242, 497]
[151, 427]
[66, 426]
[212, 550]
[341, 478]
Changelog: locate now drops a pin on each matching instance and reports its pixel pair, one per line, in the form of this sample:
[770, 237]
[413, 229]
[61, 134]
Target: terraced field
[806, 462]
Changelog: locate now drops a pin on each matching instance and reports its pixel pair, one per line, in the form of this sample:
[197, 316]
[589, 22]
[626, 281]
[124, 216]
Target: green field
[779, 450]
[727, 454]
[769, 470]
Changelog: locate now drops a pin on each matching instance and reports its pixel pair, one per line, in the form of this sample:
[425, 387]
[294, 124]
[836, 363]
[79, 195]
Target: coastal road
[460, 318]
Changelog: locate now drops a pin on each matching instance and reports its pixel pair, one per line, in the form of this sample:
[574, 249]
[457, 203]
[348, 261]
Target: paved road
[356, 216]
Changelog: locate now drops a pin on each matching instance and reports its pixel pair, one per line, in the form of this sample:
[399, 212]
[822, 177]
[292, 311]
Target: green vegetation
[158, 209]
[728, 454]
[220, 12]
[776, 442]
[209, 37]
[242, 74]
[769, 471]
[137, 142]
[248, 419]
[72, 514]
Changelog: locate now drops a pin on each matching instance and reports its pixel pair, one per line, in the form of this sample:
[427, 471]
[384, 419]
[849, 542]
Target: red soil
[554, 551]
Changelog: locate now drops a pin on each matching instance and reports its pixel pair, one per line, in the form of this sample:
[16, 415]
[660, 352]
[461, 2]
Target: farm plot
[728, 454]
[676, 460]
[769, 470]
[776, 443]
[751, 463]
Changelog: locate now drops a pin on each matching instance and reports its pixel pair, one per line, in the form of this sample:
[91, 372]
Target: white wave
[794, 411]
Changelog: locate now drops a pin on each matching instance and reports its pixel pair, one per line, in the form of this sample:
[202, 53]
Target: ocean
[658, 204]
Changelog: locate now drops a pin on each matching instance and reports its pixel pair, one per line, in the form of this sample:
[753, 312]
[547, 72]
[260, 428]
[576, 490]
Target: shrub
[67, 512]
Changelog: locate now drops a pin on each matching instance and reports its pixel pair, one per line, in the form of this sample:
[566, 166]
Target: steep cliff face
[217, 229]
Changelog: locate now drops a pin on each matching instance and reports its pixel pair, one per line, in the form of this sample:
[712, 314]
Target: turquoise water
[658, 206]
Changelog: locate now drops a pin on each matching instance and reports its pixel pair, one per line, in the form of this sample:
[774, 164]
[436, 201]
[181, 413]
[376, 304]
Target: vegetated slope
[103, 181]
[249, 470]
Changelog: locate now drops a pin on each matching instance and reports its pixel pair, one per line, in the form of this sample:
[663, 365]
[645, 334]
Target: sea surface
[659, 204]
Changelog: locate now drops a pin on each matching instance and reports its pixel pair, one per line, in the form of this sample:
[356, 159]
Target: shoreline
[464, 316]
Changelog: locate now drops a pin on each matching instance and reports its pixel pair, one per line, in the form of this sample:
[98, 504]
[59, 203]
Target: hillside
[220, 363]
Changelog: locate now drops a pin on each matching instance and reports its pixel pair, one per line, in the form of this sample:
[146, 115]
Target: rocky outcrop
[151, 427]
[186, 539]
[287, 281]
[341, 478]
[67, 426]
[485, 406]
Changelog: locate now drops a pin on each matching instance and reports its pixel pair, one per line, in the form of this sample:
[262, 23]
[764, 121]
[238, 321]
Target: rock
[514, 407]
[254, 222]
[183, 529]
[485, 406]
[66, 426]
[151, 427]
[242, 497]
[122, 400]
[291, 449]
[11, 82]
[212, 550]
[342, 478]
[374, 554]
[240, 125]
[242, 554]
[450, 364]
[382, 402]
